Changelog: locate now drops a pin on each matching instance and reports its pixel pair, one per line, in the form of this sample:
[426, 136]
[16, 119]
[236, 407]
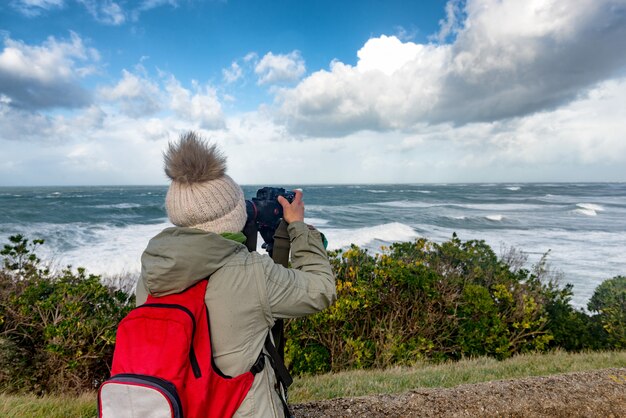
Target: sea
[582, 226]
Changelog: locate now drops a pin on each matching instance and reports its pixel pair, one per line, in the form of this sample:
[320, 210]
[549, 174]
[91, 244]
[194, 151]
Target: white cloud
[251, 56]
[387, 54]
[105, 11]
[233, 73]
[138, 96]
[281, 68]
[147, 5]
[580, 141]
[497, 104]
[108, 12]
[21, 125]
[201, 107]
[46, 76]
[509, 59]
[32, 8]
[452, 24]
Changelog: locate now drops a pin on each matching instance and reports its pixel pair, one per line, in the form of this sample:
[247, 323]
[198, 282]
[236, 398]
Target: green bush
[57, 330]
[609, 301]
[422, 300]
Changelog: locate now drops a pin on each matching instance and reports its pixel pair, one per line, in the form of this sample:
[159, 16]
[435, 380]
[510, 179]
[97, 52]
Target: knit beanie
[201, 195]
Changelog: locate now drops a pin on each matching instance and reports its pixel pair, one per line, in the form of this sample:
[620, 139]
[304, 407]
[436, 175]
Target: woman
[247, 291]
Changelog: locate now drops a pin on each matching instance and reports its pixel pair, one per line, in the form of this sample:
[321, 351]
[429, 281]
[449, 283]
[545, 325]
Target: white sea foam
[101, 249]
[513, 188]
[413, 191]
[405, 204]
[495, 218]
[588, 209]
[112, 251]
[586, 212]
[377, 191]
[119, 206]
[501, 206]
[590, 206]
[316, 221]
[391, 232]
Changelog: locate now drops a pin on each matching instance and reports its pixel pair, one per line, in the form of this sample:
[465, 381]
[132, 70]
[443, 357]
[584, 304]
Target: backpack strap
[283, 377]
[258, 365]
[282, 374]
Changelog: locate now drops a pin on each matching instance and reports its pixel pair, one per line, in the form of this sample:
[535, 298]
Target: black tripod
[277, 247]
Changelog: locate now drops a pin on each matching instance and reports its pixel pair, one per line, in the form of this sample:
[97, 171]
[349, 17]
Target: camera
[264, 212]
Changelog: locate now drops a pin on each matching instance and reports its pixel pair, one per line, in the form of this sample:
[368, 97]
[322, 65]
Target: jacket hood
[179, 257]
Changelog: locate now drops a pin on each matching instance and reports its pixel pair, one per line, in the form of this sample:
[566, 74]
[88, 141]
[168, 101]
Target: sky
[314, 92]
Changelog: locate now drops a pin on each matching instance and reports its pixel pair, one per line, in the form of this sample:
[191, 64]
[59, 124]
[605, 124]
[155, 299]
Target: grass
[359, 383]
[483, 369]
[31, 406]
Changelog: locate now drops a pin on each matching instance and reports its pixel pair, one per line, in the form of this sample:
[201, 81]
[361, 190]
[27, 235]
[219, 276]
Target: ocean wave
[412, 191]
[119, 206]
[586, 212]
[495, 218]
[377, 191]
[316, 221]
[331, 208]
[513, 188]
[588, 209]
[406, 204]
[590, 206]
[100, 248]
[501, 206]
[391, 232]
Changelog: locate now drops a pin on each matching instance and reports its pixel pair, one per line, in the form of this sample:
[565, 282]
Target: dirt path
[598, 393]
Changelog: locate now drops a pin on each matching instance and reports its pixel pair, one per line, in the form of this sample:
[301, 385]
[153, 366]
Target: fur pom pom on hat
[201, 195]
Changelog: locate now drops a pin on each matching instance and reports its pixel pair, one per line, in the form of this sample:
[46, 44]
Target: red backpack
[163, 365]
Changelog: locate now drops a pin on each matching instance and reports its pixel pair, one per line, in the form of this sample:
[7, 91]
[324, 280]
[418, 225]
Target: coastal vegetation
[414, 305]
[422, 301]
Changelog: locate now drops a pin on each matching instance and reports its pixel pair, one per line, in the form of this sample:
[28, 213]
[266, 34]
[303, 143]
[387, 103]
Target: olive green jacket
[247, 291]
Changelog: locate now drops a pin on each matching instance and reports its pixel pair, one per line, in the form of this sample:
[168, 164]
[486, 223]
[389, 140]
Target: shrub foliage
[609, 301]
[57, 330]
[425, 301]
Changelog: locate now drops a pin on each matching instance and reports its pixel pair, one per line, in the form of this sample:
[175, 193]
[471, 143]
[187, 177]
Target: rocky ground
[598, 393]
